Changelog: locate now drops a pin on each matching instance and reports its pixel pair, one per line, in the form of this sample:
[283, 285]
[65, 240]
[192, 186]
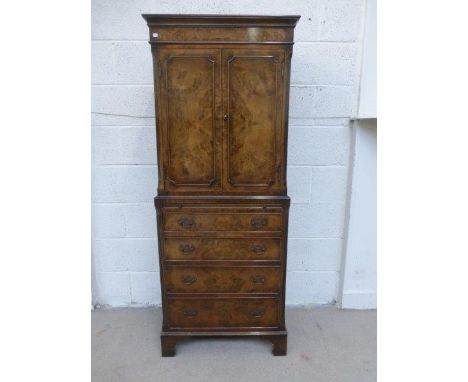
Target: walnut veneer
[221, 90]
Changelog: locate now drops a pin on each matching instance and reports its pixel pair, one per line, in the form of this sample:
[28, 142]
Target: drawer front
[222, 249]
[222, 221]
[223, 279]
[223, 313]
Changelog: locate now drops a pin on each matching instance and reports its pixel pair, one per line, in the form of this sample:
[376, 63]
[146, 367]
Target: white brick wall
[324, 82]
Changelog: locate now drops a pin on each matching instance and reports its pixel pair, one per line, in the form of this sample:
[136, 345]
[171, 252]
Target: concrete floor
[324, 344]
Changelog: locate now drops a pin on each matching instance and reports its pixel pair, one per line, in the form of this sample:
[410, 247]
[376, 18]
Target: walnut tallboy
[221, 90]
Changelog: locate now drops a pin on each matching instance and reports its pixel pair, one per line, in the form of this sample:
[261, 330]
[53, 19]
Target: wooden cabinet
[221, 91]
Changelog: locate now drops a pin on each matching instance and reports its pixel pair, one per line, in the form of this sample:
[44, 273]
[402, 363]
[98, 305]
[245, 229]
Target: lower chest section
[222, 263]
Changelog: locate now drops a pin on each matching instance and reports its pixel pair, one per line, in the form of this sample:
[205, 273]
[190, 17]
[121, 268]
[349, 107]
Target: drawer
[231, 279]
[221, 221]
[217, 313]
[222, 249]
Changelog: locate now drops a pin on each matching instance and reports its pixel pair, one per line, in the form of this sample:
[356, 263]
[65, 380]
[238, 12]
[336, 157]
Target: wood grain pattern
[223, 313]
[252, 85]
[222, 279]
[213, 34]
[222, 121]
[190, 99]
[222, 221]
[222, 88]
[222, 249]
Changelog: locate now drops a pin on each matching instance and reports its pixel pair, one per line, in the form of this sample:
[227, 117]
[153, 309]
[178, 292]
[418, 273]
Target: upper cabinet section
[222, 95]
[206, 29]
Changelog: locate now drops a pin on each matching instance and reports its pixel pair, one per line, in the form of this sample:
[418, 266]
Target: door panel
[191, 102]
[252, 91]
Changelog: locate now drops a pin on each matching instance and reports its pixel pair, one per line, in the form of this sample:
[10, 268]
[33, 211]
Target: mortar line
[122, 115]
[146, 84]
[150, 165]
[119, 203]
[309, 271]
[308, 126]
[156, 271]
[151, 202]
[322, 127]
[102, 40]
[155, 238]
[317, 165]
[124, 165]
[122, 126]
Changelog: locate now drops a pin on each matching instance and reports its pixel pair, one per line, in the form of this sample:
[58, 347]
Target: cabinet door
[189, 119]
[253, 129]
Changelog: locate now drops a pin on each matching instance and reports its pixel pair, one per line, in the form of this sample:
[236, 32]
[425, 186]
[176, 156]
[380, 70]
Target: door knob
[225, 117]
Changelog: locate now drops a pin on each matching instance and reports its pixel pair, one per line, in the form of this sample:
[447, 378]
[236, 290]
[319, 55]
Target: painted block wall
[324, 95]
[359, 268]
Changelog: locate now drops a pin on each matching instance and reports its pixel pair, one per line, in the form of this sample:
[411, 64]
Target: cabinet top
[221, 20]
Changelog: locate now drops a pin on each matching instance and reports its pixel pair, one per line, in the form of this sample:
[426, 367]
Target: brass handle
[258, 279]
[258, 249]
[190, 312]
[186, 222]
[188, 279]
[257, 312]
[259, 222]
[186, 248]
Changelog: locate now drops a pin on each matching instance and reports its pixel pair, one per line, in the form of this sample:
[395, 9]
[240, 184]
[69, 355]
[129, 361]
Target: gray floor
[324, 344]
